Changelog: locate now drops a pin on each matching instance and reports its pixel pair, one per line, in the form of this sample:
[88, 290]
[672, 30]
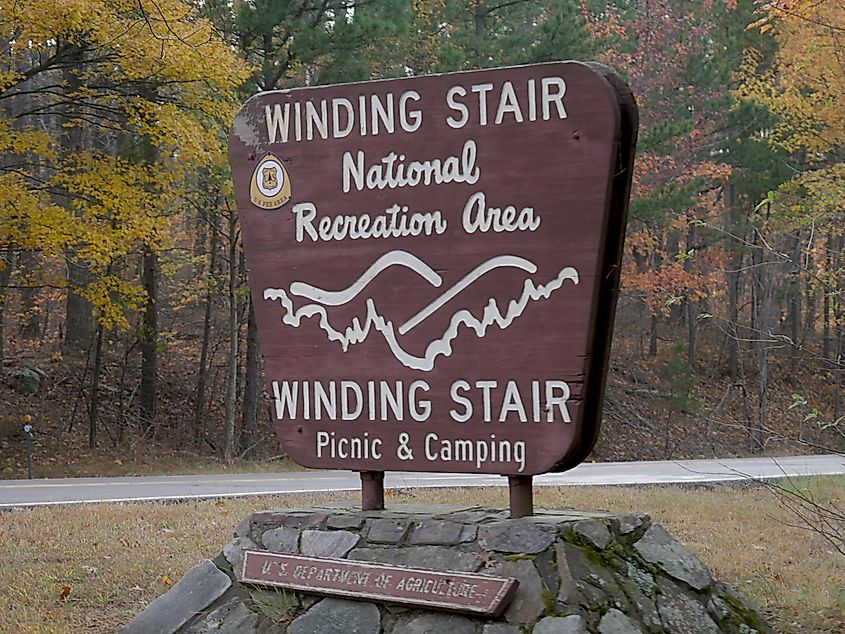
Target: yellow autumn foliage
[149, 70]
[805, 89]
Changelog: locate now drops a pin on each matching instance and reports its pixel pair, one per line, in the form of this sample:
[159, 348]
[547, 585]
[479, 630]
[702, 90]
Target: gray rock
[281, 540]
[527, 604]
[594, 599]
[232, 550]
[516, 536]
[615, 622]
[682, 614]
[308, 600]
[573, 624]
[289, 519]
[436, 532]
[594, 531]
[28, 380]
[345, 521]
[435, 623]
[338, 616]
[545, 564]
[430, 510]
[643, 579]
[468, 534]
[627, 524]
[642, 602]
[500, 628]
[336, 506]
[327, 543]
[567, 593]
[477, 516]
[430, 557]
[194, 592]
[387, 531]
[595, 581]
[738, 609]
[718, 609]
[557, 516]
[231, 618]
[244, 529]
[658, 547]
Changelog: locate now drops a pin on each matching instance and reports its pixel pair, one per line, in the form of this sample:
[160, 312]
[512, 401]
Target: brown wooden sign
[450, 591]
[434, 264]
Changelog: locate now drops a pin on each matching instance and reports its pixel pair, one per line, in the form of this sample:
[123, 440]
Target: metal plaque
[449, 591]
[434, 264]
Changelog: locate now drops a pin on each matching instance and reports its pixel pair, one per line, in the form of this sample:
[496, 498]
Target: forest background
[127, 338]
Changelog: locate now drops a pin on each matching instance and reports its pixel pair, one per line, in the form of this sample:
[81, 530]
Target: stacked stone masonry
[578, 573]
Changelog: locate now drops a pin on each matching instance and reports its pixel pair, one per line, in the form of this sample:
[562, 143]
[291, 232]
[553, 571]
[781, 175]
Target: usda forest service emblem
[270, 186]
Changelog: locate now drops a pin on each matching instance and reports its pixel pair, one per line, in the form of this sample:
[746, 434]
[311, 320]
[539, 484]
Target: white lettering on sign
[478, 216]
[336, 118]
[496, 104]
[383, 400]
[397, 401]
[392, 170]
[373, 321]
[332, 445]
[476, 451]
[485, 103]
[509, 400]
[395, 222]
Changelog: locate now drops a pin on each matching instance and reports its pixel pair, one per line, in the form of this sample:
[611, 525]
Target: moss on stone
[549, 601]
[518, 557]
[741, 614]
[644, 580]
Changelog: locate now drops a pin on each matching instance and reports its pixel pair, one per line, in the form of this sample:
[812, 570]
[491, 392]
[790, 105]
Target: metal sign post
[27, 430]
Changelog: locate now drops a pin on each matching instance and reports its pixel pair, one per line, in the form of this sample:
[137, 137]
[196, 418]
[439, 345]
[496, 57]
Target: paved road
[16, 493]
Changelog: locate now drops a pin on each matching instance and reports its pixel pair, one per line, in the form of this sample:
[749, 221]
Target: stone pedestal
[579, 572]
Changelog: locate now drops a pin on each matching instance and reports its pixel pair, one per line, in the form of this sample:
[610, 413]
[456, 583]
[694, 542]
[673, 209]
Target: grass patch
[115, 558]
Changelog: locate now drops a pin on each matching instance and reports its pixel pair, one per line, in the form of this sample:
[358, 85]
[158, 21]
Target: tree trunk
[652, 339]
[640, 342]
[811, 302]
[794, 309]
[122, 406]
[30, 322]
[202, 372]
[837, 324]
[733, 320]
[252, 386]
[826, 307]
[149, 340]
[837, 383]
[733, 290]
[8, 264]
[232, 363]
[692, 319]
[79, 313]
[94, 398]
[479, 15]
[655, 317]
[761, 327]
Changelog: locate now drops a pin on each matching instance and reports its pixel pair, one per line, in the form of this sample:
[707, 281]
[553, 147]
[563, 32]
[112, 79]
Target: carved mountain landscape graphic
[318, 302]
